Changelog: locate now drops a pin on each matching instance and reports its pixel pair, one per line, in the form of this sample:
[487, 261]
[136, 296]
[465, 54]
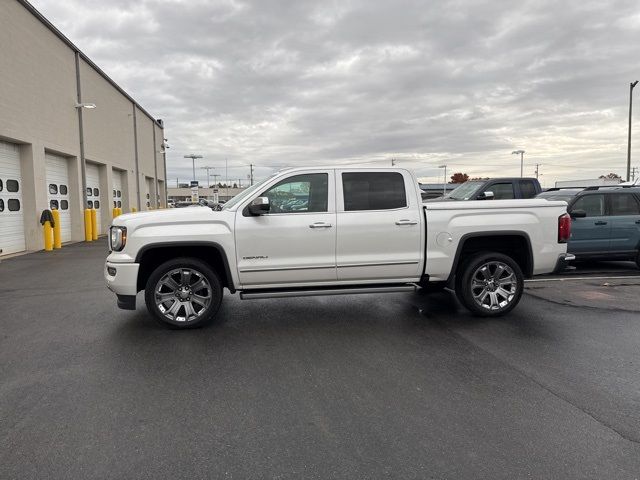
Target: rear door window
[624, 204]
[528, 188]
[373, 191]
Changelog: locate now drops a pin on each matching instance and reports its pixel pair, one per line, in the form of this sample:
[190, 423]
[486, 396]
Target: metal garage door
[57, 169]
[117, 189]
[93, 190]
[149, 192]
[12, 238]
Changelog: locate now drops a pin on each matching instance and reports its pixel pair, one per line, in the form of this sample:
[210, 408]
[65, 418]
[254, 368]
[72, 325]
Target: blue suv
[605, 221]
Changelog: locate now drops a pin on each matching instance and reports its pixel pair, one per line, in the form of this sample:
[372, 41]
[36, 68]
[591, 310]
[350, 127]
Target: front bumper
[122, 278]
[563, 261]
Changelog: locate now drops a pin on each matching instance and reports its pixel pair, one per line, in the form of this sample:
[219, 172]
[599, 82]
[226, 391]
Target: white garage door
[117, 189]
[93, 190]
[57, 169]
[148, 192]
[11, 208]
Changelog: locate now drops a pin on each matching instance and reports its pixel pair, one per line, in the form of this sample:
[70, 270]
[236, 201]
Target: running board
[315, 292]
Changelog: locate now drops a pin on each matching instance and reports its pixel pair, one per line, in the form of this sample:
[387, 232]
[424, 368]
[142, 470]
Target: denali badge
[257, 257]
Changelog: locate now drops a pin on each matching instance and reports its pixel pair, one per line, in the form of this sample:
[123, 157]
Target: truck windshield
[464, 191]
[245, 193]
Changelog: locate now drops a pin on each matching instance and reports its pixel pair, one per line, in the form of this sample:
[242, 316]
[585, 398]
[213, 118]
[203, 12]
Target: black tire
[473, 286]
[198, 292]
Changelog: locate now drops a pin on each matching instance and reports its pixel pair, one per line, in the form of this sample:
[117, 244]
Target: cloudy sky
[463, 83]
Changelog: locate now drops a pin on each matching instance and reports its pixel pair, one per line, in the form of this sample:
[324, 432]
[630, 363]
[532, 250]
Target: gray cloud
[279, 83]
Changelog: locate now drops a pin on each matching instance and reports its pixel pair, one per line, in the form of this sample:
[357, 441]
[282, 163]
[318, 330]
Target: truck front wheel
[489, 284]
[183, 293]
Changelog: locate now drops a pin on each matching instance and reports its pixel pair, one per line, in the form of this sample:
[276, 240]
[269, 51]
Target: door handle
[600, 223]
[320, 225]
[406, 222]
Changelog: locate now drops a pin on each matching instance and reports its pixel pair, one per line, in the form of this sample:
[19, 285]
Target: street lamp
[193, 160]
[444, 185]
[521, 153]
[631, 87]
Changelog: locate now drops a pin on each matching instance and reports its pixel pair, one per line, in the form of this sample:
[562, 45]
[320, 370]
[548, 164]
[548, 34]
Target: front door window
[299, 194]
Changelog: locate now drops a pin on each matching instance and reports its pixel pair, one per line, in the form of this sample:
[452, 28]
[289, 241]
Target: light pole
[521, 153]
[193, 160]
[207, 169]
[444, 185]
[631, 87]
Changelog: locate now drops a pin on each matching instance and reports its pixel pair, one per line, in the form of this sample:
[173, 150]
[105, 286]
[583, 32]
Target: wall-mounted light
[85, 105]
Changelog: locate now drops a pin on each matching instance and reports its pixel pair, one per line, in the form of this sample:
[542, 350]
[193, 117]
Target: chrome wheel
[494, 285]
[183, 294]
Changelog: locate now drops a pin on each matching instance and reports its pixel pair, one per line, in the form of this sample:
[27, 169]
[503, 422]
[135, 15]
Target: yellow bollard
[57, 235]
[134, 209]
[114, 212]
[88, 236]
[119, 211]
[94, 224]
[48, 236]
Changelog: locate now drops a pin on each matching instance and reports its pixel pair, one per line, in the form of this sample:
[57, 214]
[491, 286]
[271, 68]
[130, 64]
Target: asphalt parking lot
[397, 386]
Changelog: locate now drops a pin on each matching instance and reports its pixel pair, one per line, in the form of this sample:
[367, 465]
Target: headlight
[117, 238]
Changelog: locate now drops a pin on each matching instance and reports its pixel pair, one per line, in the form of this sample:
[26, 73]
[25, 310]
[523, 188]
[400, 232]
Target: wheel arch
[513, 243]
[212, 253]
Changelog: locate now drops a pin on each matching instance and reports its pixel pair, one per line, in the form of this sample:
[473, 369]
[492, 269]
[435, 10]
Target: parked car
[494, 189]
[356, 231]
[605, 221]
[185, 204]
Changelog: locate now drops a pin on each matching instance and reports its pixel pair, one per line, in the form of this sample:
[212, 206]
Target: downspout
[135, 143]
[83, 166]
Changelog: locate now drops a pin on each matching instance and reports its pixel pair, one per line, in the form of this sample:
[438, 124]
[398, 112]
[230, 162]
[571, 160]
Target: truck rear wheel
[183, 293]
[489, 284]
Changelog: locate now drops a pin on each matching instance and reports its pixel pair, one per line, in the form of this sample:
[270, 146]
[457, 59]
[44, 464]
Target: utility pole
[538, 165]
[251, 174]
[521, 153]
[239, 183]
[631, 87]
[193, 161]
[633, 173]
[207, 169]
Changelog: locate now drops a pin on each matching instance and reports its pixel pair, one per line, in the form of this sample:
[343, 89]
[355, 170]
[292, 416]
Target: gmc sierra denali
[329, 231]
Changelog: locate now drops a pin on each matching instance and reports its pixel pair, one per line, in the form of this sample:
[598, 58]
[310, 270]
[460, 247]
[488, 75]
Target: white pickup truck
[328, 231]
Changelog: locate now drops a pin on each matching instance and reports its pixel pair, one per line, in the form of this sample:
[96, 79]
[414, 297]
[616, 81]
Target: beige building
[70, 137]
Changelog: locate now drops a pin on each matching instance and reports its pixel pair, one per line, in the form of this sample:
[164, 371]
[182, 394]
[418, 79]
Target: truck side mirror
[578, 214]
[259, 206]
[488, 195]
